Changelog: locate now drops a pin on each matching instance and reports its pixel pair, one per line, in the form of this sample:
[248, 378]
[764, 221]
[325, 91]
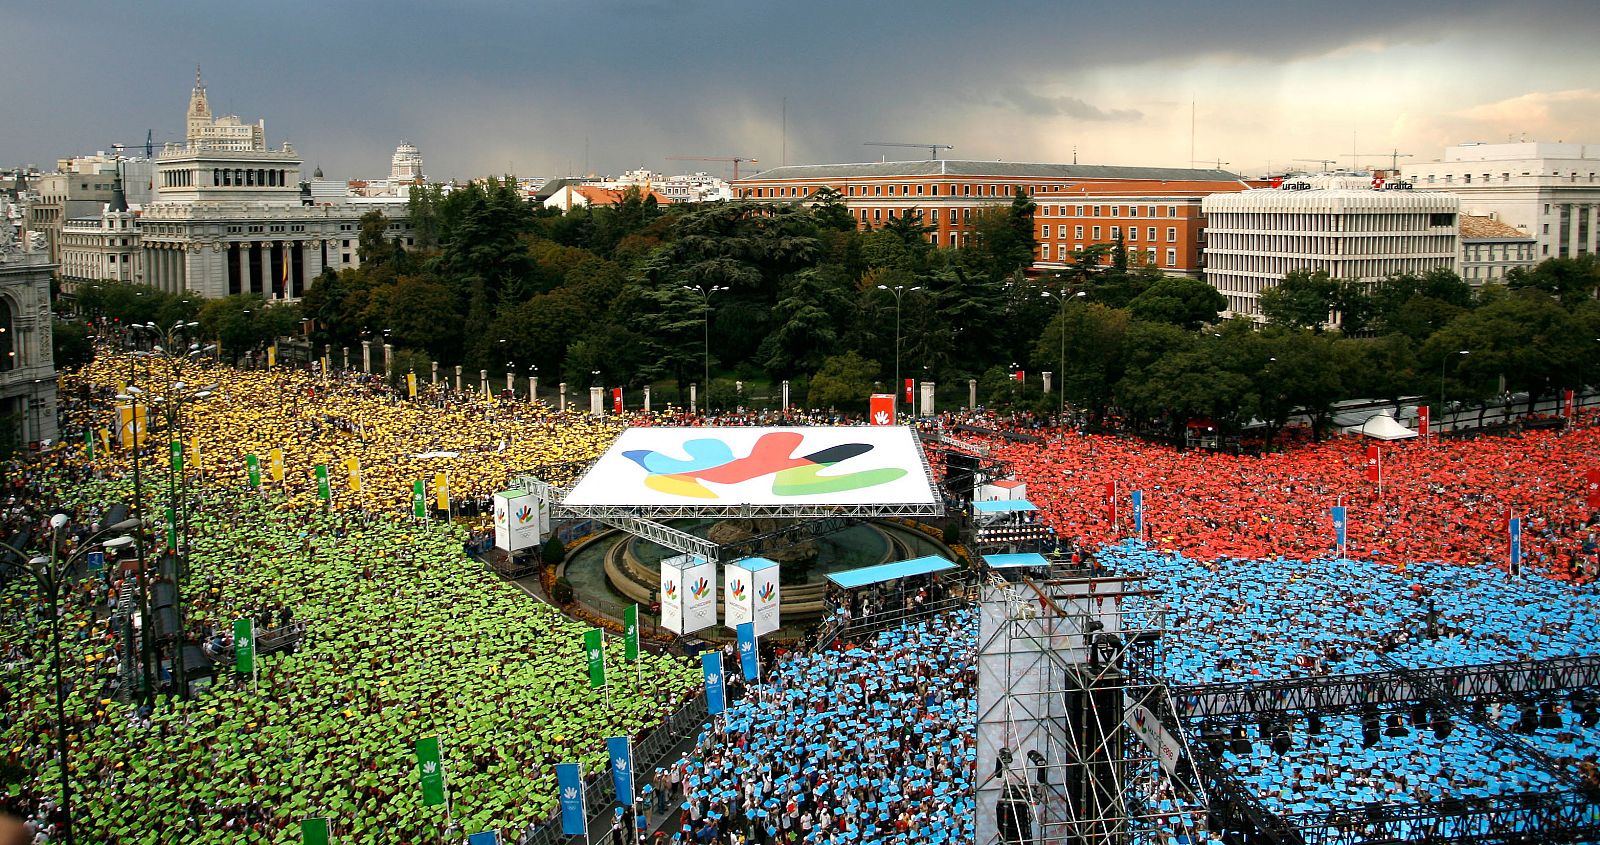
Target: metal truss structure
[1335, 695]
[1078, 743]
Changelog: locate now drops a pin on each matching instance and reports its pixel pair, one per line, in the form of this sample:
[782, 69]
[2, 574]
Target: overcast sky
[556, 87]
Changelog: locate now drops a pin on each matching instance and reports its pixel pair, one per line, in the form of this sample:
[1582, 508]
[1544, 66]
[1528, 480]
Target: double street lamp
[705, 311]
[1061, 330]
[50, 574]
[899, 291]
[1443, 360]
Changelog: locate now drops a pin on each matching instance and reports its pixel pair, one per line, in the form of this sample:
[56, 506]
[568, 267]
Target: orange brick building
[948, 193]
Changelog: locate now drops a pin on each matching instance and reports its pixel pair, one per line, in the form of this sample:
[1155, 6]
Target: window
[877, 214]
[891, 190]
[1077, 232]
[919, 190]
[1133, 211]
[1097, 233]
[1061, 231]
[345, 257]
[933, 190]
[1077, 210]
[1172, 258]
[1116, 232]
[1150, 234]
[1172, 234]
[933, 217]
[1133, 233]
[1116, 211]
[1172, 211]
[1149, 211]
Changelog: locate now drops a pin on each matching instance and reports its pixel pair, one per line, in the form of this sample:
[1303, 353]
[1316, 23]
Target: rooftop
[992, 169]
[1481, 228]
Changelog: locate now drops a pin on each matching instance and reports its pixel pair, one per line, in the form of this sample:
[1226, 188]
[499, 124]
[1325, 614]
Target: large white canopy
[1381, 426]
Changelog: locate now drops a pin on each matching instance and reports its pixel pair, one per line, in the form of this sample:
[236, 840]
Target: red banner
[911, 401]
[1592, 490]
[1111, 501]
[616, 400]
[1021, 376]
[1569, 405]
[880, 409]
[1422, 420]
[1374, 465]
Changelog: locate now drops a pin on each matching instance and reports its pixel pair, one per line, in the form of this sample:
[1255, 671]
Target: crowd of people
[1446, 502]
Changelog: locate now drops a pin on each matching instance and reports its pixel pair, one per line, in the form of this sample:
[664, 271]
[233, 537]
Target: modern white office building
[1549, 191]
[1338, 224]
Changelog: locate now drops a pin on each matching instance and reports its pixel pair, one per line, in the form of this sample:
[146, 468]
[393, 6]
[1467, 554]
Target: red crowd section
[1447, 502]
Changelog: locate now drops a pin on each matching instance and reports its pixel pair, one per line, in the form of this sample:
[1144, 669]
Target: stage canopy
[1004, 506]
[1013, 561]
[852, 578]
[1384, 427]
[758, 472]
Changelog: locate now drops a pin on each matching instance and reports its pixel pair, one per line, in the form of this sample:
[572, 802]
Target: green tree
[70, 345]
[1569, 280]
[830, 212]
[1094, 355]
[1527, 337]
[1303, 300]
[1179, 300]
[807, 323]
[372, 240]
[843, 382]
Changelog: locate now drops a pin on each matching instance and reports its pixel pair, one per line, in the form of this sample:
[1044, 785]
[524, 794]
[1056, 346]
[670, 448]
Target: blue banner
[1516, 542]
[711, 664]
[621, 749]
[488, 837]
[96, 561]
[747, 650]
[1339, 523]
[1138, 514]
[574, 806]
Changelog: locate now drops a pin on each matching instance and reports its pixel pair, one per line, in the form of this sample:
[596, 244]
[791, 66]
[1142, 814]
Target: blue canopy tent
[850, 579]
[1025, 560]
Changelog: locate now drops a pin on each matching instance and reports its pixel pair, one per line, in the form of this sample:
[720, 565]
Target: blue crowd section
[1252, 620]
[852, 578]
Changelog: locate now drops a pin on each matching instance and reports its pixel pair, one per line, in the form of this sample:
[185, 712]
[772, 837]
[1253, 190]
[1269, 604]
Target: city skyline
[606, 87]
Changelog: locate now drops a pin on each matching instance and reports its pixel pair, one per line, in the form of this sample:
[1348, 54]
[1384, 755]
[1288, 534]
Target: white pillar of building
[785, 394]
[533, 388]
[458, 378]
[972, 394]
[1047, 375]
[483, 381]
[597, 401]
[366, 356]
[647, 398]
[561, 400]
[388, 359]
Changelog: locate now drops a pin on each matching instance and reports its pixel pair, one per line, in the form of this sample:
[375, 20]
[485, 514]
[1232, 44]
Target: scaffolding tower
[1078, 741]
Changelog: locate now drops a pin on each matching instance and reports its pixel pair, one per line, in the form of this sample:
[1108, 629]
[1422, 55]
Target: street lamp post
[1061, 330]
[1442, 361]
[705, 311]
[898, 291]
[50, 575]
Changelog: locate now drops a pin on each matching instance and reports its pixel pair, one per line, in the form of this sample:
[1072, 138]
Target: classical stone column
[647, 398]
[388, 359]
[1047, 375]
[458, 378]
[562, 398]
[366, 356]
[346, 351]
[435, 371]
[972, 394]
[785, 394]
[692, 392]
[533, 388]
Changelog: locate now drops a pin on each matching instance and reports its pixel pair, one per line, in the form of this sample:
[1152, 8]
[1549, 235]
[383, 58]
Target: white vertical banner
[516, 520]
[502, 519]
[688, 594]
[738, 594]
[768, 598]
[927, 398]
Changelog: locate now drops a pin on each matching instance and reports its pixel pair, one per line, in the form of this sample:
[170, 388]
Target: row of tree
[637, 293]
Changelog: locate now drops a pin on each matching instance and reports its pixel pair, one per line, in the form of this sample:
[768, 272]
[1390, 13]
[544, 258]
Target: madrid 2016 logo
[767, 592]
[737, 590]
[670, 590]
[712, 461]
[524, 514]
[499, 516]
[699, 589]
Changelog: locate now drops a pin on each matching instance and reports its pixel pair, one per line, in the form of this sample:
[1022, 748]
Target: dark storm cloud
[483, 86]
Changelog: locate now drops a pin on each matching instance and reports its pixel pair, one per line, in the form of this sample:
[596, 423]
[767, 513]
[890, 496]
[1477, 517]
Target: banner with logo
[1516, 543]
[738, 594]
[688, 594]
[272, 356]
[616, 400]
[594, 652]
[314, 832]
[324, 491]
[910, 393]
[768, 599]
[574, 806]
[630, 632]
[880, 409]
[516, 520]
[275, 459]
[419, 501]
[1138, 514]
[411, 385]
[430, 767]
[1569, 404]
[244, 645]
[1592, 489]
[352, 466]
[1111, 502]
[1374, 465]
[252, 465]
[1338, 514]
[487, 837]
[748, 661]
[1423, 416]
[441, 491]
[177, 457]
[131, 427]
[1142, 720]
[711, 668]
[621, 749]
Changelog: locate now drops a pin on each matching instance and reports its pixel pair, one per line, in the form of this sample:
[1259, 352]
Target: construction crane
[933, 149]
[1394, 158]
[1327, 163]
[149, 144]
[735, 159]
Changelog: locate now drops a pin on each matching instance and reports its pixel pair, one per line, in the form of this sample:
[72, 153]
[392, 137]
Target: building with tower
[231, 215]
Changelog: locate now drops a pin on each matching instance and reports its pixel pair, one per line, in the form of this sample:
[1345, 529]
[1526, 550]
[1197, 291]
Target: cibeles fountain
[815, 500]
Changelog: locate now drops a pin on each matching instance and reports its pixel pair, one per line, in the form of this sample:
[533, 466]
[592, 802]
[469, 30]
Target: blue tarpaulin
[852, 578]
[1004, 506]
[1017, 560]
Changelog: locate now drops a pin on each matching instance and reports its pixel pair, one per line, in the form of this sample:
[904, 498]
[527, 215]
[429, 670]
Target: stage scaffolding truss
[1077, 740]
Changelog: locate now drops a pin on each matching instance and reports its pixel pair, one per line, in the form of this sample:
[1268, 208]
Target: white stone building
[1490, 249]
[1549, 191]
[229, 220]
[223, 134]
[1337, 224]
[27, 367]
[104, 246]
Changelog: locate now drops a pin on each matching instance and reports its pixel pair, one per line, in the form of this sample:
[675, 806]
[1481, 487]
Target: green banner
[314, 832]
[253, 465]
[419, 500]
[630, 632]
[177, 456]
[88, 444]
[593, 640]
[431, 767]
[323, 489]
[244, 645]
[172, 530]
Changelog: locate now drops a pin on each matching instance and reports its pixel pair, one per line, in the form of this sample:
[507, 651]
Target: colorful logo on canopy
[1138, 717]
[767, 593]
[737, 590]
[712, 461]
[524, 514]
[500, 516]
[670, 590]
[699, 589]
